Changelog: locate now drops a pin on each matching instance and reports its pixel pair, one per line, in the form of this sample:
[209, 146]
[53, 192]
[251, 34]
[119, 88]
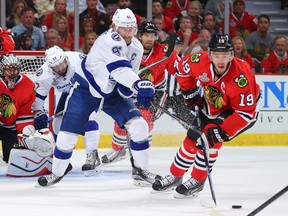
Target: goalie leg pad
[27, 163]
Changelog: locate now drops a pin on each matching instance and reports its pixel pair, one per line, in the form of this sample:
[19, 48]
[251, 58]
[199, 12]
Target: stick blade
[171, 43]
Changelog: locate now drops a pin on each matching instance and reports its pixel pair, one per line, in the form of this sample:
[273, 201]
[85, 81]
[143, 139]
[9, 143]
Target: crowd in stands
[40, 24]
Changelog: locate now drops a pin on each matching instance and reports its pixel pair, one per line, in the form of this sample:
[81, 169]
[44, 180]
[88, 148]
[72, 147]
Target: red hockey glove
[192, 98]
[215, 135]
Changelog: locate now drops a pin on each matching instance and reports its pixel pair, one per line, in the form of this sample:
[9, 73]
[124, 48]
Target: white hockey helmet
[124, 18]
[56, 59]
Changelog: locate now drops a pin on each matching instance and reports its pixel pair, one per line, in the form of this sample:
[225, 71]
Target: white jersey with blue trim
[111, 61]
[47, 78]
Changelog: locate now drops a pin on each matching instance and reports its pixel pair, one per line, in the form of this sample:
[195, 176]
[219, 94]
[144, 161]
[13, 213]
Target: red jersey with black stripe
[158, 71]
[16, 105]
[235, 90]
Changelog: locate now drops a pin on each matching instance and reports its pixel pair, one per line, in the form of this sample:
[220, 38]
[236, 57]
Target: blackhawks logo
[7, 106]
[214, 96]
[241, 81]
[195, 58]
[146, 74]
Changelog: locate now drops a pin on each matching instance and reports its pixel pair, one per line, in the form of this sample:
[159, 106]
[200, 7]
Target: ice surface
[246, 176]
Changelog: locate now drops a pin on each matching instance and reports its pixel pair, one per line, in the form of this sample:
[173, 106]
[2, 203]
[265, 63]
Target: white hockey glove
[42, 142]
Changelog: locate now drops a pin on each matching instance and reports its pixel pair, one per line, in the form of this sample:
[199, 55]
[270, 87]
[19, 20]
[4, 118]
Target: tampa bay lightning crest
[39, 72]
[115, 36]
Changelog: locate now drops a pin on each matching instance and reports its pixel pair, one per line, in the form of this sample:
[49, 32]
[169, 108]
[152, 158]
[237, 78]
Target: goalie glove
[192, 98]
[40, 120]
[42, 142]
[145, 92]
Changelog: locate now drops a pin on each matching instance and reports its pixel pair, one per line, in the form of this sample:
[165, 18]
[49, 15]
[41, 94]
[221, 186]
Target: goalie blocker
[33, 154]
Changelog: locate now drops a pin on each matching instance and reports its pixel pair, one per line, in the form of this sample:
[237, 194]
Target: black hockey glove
[192, 98]
[215, 135]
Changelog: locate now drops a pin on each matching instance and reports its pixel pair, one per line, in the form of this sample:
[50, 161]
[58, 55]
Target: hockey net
[30, 61]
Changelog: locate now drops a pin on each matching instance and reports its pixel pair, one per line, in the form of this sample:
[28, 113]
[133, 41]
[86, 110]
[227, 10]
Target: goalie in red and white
[16, 122]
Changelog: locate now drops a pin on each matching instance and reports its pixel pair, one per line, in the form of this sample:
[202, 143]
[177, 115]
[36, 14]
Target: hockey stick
[205, 149]
[171, 44]
[204, 141]
[269, 201]
[61, 113]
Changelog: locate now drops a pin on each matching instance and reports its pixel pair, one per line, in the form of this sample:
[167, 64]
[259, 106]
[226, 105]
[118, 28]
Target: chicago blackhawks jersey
[158, 71]
[16, 105]
[235, 90]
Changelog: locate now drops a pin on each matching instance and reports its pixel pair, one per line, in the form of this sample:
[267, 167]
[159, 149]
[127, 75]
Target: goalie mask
[10, 70]
[57, 60]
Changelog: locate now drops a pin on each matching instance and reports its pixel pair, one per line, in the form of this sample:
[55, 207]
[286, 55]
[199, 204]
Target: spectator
[209, 23]
[241, 23]
[24, 41]
[259, 43]
[217, 7]
[59, 10]
[89, 40]
[102, 20]
[200, 44]
[66, 41]
[86, 26]
[194, 11]
[173, 8]
[277, 60]
[44, 7]
[157, 11]
[14, 19]
[7, 43]
[26, 25]
[51, 38]
[161, 34]
[185, 32]
[240, 51]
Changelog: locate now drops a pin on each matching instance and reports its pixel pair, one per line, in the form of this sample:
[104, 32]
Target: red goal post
[30, 61]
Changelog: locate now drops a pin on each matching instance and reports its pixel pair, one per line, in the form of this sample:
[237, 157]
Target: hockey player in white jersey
[58, 71]
[106, 79]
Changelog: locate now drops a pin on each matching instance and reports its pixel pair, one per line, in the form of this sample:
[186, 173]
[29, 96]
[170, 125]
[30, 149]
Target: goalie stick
[171, 44]
[269, 201]
[204, 141]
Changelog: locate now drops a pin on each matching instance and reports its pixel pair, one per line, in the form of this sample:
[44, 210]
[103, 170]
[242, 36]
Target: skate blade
[140, 183]
[162, 191]
[114, 161]
[88, 173]
[181, 196]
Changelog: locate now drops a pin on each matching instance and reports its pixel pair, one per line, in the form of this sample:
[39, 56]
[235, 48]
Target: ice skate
[51, 179]
[189, 189]
[114, 156]
[92, 164]
[143, 178]
[168, 183]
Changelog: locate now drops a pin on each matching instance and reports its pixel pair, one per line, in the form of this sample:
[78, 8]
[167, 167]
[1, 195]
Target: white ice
[246, 176]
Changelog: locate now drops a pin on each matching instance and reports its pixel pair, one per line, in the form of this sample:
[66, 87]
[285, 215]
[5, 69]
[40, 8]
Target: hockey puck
[236, 206]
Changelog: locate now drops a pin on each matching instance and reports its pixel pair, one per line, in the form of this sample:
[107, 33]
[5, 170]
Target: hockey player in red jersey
[228, 108]
[152, 52]
[16, 117]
